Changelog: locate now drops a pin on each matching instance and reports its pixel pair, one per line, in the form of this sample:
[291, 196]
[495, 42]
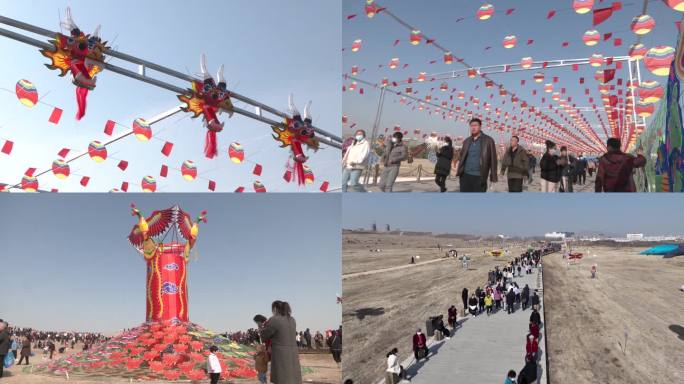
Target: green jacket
[517, 164]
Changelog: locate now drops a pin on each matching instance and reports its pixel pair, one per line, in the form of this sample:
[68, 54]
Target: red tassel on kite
[7, 147]
[55, 115]
[81, 100]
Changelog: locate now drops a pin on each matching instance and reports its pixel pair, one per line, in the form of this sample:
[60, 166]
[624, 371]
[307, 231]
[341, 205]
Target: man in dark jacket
[525, 297]
[516, 161]
[510, 300]
[464, 297]
[395, 153]
[4, 344]
[615, 169]
[535, 301]
[453, 316]
[535, 317]
[568, 169]
[420, 345]
[528, 375]
[477, 161]
[581, 169]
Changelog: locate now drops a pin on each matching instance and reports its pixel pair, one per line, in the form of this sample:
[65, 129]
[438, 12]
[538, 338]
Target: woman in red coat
[532, 346]
[534, 329]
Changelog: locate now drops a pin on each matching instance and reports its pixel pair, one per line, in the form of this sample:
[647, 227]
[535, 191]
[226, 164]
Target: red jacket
[532, 346]
[615, 172]
[419, 341]
[534, 330]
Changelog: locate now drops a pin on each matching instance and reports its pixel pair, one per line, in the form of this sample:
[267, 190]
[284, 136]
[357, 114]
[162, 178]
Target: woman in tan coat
[280, 330]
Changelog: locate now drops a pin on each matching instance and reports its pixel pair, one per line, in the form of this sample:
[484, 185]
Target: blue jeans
[262, 377]
[352, 177]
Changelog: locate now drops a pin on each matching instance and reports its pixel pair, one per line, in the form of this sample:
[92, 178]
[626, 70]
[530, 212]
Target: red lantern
[148, 184]
[526, 62]
[355, 70]
[448, 58]
[237, 153]
[461, 95]
[582, 6]
[29, 183]
[510, 41]
[394, 63]
[259, 187]
[485, 11]
[141, 129]
[416, 37]
[658, 60]
[637, 51]
[371, 8]
[472, 73]
[548, 87]
[596, 60]
[591, 37]
[444, 87]
[421, 76]
[677, 5]
[650, 92]
[644, 110]
[385, 82]
[189, 170]
[352, 86]
[538, 77]
[356, 45]
[97, 151]
[642, 24]
[60, 169]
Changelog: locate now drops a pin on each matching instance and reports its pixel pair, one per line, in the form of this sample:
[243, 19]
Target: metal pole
[374, 132]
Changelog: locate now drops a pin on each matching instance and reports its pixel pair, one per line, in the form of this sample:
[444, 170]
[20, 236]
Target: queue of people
[475, 164]
[500, 293]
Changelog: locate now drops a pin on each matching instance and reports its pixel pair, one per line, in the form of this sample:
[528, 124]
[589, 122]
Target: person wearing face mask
[477, 162]
[549, 168]
[515, 160]
[354, 161]
[420, 349]
[443, 166]
[394, 154]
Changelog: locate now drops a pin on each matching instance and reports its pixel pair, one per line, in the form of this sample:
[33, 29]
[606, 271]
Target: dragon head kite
[207, 98]
[80, 54]
[294, 133]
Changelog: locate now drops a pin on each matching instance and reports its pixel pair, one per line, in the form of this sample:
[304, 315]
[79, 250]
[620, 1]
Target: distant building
[635, 236]
[557, 236]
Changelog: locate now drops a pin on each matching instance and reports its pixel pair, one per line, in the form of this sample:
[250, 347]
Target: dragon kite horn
[68, 22]
[219, 77]
[307, 112]
[293, 108]
[203, 68]
[96, 33]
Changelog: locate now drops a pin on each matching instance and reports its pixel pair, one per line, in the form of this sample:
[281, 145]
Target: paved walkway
[483, 349]
[427, 184]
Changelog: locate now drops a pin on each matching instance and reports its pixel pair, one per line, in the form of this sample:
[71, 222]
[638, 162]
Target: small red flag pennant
[63, 152]
[7, 147]
[565, 44]
[617, 42]
[608, 75]
[551, 14]
[55, 115]
[396, 42]
[257, 170]
[324, 186]
[85, 180]
[123, 164]
[54, 190]
[109, 128]
[509, 11]
[239, 189]
[530, 41]
[575, 67]
[288, 176]
[124, 186]
[212, 185]
[164, 171]
[618, 65]
[166, 149]
[349, 17]
[29, 172]
[609, 61]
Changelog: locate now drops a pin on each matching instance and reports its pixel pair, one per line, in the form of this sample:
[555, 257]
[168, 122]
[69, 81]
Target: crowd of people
[476, 164]
[500, 293]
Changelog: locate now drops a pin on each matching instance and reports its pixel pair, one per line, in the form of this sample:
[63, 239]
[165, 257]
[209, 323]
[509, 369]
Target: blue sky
[67, 262]
[270, 49]
[468, 39]
[516, 215]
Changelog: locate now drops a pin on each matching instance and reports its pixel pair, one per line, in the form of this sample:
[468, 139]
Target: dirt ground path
[382, 310]
[587, 319]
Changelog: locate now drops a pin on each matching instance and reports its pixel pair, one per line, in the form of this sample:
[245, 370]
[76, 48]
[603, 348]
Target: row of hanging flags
[560, 121]
[81, 55]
